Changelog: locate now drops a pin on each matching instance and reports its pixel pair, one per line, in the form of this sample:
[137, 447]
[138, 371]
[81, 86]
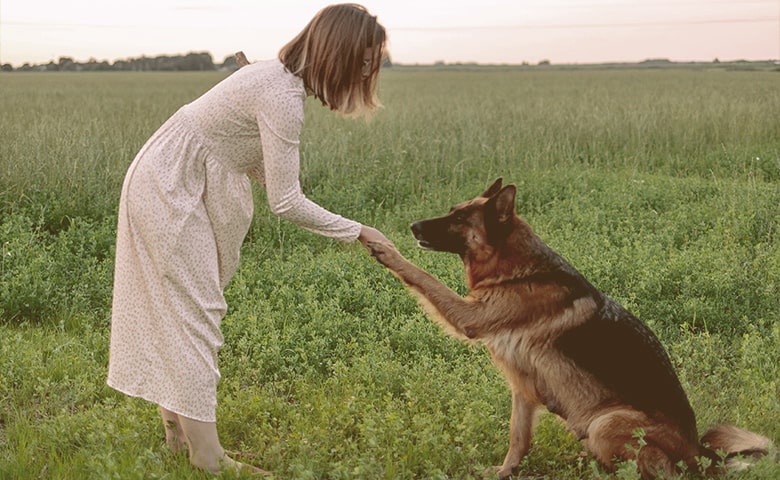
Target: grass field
[661, 186]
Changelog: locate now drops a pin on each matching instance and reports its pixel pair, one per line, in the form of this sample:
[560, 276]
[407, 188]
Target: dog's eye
[460, 217]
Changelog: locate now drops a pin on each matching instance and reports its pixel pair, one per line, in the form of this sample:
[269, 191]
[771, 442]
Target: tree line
[203, 61]
[193, 61]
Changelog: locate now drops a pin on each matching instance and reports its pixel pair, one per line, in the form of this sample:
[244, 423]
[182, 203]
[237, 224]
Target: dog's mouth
[428, 240]
[418, 235]
[425, 245]
[421, 241]
[433, 245]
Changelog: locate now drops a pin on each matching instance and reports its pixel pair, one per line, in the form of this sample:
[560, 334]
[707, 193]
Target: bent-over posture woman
[186, 207]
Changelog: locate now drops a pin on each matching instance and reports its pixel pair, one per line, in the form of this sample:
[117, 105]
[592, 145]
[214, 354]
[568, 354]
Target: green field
[661, 186]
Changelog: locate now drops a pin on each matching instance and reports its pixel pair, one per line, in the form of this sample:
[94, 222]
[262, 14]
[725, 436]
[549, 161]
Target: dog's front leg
[460, 316]
[520, 430]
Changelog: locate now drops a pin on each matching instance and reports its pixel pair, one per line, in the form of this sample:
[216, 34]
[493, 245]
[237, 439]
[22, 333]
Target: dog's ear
[493, 189]
[505, 203]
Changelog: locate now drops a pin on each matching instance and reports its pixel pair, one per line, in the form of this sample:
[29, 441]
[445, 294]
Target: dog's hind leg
[613, 437]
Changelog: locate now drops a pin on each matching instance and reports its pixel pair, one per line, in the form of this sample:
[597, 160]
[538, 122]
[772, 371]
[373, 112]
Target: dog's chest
[532, 363]
[526, 356]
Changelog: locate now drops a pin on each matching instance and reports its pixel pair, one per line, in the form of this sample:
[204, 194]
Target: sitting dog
[561, 344]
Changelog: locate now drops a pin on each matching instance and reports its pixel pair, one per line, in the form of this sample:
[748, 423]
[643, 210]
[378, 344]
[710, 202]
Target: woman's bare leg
[206, 452]
[202, 440]
[174, 435]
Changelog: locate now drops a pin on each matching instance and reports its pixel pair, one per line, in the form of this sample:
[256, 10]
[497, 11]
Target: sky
[420, 31]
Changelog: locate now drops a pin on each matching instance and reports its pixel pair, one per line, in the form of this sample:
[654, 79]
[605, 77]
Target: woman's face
[368, 62]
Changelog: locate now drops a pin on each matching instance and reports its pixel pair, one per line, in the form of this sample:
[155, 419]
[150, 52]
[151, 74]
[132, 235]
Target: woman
[186, 207]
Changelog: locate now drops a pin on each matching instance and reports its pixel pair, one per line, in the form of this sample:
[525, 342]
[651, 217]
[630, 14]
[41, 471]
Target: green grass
[661, 186]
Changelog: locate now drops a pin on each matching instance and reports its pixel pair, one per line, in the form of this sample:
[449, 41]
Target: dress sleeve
[281, 159]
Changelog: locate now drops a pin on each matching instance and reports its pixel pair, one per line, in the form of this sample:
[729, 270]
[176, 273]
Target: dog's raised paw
[378, 248]
[383, 252]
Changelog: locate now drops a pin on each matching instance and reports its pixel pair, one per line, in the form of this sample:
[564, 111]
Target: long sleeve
[251, 122]
[281, 161]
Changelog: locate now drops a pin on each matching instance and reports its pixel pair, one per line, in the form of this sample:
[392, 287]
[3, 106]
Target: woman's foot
[228, 463]
[201, 441]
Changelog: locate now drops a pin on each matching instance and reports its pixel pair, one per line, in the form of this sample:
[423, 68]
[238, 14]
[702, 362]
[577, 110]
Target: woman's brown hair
[328, 56]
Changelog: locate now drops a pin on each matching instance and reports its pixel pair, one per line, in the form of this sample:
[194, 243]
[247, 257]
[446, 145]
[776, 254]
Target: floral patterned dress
[185, 209]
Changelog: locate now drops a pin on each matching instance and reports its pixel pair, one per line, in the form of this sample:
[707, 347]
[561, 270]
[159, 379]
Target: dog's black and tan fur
[561, 343]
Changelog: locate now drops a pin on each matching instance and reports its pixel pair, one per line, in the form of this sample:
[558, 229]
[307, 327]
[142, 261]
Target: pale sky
[420, 31]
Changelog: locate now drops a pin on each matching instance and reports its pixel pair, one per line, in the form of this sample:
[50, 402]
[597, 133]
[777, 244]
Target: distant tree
[66, 64]
[544, 63]
[229, 63]
[93, 65]
[656, 61]
[120, 65]
[195, 61]
[7, 67]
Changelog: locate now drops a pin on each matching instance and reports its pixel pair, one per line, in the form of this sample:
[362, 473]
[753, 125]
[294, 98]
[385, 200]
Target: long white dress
[185, 209]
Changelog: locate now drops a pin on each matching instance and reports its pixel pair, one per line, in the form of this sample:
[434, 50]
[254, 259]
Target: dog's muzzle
[417, 231]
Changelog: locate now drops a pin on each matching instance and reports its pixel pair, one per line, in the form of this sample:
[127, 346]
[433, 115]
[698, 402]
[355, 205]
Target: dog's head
[494, 243]
[476, 228]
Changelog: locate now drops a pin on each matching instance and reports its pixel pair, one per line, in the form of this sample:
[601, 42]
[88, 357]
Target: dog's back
[625, 356]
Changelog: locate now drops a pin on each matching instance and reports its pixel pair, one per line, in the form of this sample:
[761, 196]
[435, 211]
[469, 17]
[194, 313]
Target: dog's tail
[732, 448]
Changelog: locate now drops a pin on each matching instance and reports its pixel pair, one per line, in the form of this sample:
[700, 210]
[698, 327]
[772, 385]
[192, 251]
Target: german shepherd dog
[562, 344]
